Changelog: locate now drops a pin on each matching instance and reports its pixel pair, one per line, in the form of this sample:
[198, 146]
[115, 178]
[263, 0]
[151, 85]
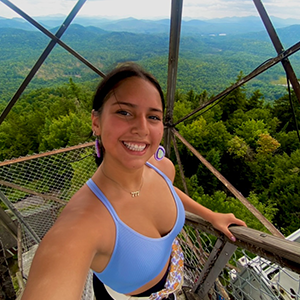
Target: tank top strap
[167, 179]
[96, 190]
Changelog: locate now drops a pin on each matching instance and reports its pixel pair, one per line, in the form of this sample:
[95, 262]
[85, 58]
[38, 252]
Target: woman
[123, 222]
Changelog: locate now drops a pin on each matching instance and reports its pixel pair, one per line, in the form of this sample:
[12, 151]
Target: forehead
[136, 88]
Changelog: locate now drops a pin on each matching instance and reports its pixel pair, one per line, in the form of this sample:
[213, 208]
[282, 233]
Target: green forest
[250, 136]
[253, 144]
[206, 62]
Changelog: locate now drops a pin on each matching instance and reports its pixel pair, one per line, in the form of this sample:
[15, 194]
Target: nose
[140, 126]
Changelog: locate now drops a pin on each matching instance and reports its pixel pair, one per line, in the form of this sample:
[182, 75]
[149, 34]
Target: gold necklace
[133, 194]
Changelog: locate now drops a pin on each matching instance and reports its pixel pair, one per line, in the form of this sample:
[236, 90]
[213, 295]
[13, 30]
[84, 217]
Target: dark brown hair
[112, 80]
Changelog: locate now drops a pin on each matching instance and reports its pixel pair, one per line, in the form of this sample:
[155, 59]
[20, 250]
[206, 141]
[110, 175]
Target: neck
[130, 182]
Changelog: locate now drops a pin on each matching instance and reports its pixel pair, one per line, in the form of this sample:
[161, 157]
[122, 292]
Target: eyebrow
[134, 106]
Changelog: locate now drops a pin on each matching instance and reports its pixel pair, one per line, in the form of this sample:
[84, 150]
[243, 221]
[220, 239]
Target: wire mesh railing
[35, 189]
[268, 268]
[38, 187]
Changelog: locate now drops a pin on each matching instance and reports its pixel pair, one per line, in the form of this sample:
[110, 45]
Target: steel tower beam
[176, 15]
[52, 36]
[278, 46]
[41, 59]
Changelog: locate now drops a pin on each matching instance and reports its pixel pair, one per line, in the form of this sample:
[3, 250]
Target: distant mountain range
[224, 26]
[212, 53]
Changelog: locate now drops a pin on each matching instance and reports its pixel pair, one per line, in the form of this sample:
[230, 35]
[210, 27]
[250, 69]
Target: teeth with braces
[135, 147]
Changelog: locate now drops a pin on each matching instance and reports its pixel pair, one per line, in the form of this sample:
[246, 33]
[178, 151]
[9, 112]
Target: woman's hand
[218, 220]
[222, 221]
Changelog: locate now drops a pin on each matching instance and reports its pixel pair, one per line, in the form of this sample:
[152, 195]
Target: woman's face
[131, 123]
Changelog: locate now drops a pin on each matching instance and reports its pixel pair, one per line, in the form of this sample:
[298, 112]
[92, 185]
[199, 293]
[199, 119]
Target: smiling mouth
[135, 147]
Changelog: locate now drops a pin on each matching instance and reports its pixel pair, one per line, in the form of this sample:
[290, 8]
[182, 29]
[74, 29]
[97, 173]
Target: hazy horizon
[145, 19]
[154, 9]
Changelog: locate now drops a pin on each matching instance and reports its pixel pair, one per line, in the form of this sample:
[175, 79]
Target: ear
[96, 123]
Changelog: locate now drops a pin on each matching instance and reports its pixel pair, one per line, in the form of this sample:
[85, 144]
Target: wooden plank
[32, 192]
[7, 291]
[9, 225]
[281, 251]
[217, 260]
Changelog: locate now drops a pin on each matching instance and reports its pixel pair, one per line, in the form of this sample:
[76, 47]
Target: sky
[154, 9]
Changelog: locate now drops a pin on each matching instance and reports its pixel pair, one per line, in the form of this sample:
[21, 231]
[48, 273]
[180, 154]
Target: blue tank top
[137, 259]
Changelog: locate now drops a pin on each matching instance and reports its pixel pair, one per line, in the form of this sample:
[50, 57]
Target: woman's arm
[62, 261]
[219, 220]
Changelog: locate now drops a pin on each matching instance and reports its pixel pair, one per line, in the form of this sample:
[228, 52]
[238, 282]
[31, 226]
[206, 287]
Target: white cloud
[38, 7]
[283, 9]
[146, 9]
[140, 9]
[218, 8]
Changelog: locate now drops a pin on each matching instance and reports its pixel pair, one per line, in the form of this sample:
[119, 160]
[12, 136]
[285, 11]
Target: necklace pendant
[135, 194]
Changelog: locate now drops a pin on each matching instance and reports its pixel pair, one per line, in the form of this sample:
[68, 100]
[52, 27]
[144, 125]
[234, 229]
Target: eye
[123, 113]
[157, 118]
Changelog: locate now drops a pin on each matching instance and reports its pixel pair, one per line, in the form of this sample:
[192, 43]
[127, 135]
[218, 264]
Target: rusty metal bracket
[216, 262]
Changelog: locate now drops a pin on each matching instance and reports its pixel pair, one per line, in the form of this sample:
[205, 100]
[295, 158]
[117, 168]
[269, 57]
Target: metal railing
[256, 266]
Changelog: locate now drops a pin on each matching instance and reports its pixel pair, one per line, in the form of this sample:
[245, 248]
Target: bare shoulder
[83, 216]
[75, 227]
[165, 165]
[65, 255]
